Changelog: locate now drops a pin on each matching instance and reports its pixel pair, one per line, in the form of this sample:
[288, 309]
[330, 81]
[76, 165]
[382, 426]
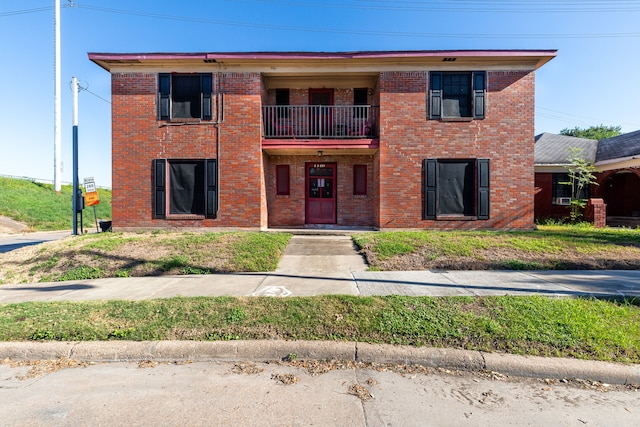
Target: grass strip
[580, 328]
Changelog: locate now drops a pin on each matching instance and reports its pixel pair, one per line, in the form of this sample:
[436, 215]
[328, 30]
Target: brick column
[596, 212]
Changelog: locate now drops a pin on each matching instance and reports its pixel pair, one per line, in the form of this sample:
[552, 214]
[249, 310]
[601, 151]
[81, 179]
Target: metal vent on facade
[210, 61]
[448, 59]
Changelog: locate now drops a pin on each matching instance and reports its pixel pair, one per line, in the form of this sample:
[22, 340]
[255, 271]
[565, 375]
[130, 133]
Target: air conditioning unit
[563, 201]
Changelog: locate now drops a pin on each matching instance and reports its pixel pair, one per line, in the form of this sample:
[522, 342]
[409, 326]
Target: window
[184, 96]
[456, 188]
[457, 95]
[185, 187]
[282, 180]
[359, 180]
[561, 190]
[282, 103]
[360, 97]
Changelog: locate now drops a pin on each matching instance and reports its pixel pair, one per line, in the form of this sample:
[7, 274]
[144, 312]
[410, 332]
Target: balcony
[314, 122]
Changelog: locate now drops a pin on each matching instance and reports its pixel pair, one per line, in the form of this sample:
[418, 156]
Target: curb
[224, 351]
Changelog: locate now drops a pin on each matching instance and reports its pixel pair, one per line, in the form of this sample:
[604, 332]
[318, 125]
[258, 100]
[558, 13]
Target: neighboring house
[618, 162]
[383, 140]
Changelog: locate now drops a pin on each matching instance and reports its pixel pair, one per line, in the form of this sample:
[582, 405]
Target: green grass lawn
[41, 208]
[549, 247]
[579, 328]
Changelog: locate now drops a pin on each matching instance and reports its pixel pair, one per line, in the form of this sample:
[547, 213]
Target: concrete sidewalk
[310, 283]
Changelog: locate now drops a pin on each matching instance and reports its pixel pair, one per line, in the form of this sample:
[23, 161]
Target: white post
[57, 111]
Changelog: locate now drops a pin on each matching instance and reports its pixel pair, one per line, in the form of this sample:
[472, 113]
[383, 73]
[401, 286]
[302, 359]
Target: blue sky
[594, 80]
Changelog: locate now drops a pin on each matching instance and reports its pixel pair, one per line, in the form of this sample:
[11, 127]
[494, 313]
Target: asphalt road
[279, 394]
[9, 242]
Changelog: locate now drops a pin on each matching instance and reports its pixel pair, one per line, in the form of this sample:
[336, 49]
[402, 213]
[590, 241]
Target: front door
[320, 100]
[320, 200]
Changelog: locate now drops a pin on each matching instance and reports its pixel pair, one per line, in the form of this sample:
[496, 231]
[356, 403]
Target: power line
[96, 95]
[576, 119]
[474, 6]
[358, 32]
[25, 11]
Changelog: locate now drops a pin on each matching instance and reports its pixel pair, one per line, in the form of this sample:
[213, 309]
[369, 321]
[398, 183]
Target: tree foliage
[593, 132]
[581, 175]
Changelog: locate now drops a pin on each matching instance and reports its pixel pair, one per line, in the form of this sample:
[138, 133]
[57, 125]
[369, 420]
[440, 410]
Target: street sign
[91, 198]
[89, 185]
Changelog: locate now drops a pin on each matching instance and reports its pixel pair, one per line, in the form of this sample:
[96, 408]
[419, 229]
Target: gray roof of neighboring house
[619, 147]
[551, 149]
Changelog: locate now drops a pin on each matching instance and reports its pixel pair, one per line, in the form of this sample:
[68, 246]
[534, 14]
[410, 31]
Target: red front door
[320, 200]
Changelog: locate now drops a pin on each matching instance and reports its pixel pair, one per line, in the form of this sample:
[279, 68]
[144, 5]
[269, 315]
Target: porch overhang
[297, 147]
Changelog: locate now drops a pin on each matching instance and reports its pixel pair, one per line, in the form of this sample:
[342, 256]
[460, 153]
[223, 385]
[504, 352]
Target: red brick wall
[395, 199]
[544, 208]
[138, 138]
[289, 211]
[505, 136]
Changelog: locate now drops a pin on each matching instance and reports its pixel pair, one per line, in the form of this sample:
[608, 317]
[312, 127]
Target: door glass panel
[321, 172]
[314, 191]
[327, 190]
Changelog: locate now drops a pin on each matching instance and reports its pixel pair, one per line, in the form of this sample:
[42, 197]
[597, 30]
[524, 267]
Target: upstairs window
[184, 96]
[454, 95]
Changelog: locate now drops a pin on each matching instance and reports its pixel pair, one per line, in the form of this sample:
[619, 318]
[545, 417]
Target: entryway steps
[328, 254]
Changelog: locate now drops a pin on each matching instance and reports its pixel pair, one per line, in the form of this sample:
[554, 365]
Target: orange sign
[91, 198]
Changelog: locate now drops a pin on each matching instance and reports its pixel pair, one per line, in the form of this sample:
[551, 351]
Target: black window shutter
[429, 168]
[159, 188]
[205, 87]
[211, 188]
[164, 96]
[479, 94]
[435, 95]
[483, 189]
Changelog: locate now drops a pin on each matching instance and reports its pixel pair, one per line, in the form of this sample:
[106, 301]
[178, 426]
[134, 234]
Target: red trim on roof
[321, 55]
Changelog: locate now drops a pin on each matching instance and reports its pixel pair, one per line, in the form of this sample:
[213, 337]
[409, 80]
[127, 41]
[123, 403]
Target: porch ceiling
[305, 81]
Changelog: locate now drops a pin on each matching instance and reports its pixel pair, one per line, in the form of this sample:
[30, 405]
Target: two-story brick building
[401, 139]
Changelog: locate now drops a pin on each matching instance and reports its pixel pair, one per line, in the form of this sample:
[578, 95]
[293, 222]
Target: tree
[593, 132]
[581, 174]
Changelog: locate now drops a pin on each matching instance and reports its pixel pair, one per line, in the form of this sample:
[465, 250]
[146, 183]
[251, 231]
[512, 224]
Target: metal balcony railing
[320, 121]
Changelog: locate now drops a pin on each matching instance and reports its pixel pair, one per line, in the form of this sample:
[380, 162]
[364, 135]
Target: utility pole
[57, 117]
[77, 203]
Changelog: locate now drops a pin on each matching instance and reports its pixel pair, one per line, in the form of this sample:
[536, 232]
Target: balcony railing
[320, 121]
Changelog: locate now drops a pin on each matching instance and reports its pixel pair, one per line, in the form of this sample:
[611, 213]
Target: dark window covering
[282, 180]
[360, 180]
[192, 187]
[456, 188]
[186, 187]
